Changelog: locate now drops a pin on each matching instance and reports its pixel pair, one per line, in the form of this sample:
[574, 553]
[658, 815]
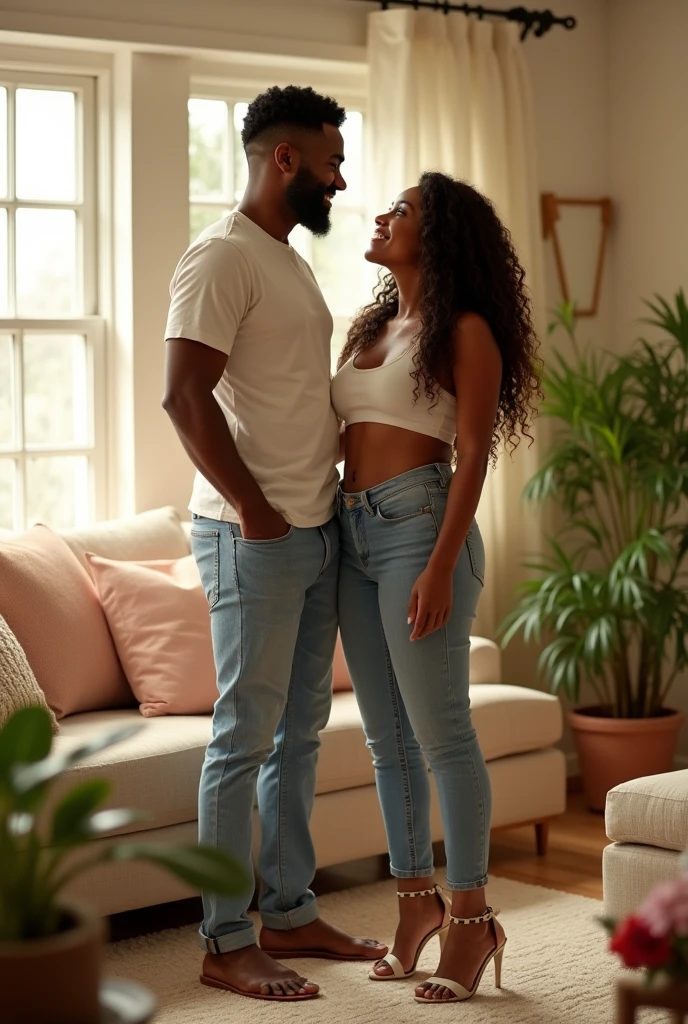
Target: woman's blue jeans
[414, 696]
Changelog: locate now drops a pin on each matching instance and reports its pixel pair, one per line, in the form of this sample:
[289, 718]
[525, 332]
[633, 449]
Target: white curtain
[452, 93]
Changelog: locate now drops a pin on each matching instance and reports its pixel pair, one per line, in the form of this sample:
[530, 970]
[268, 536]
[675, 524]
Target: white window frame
[89, 325]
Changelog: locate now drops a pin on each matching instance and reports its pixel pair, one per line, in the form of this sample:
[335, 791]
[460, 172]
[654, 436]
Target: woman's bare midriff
[375, 452]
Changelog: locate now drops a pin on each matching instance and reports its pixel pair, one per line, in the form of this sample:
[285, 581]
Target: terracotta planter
[54, 980]
[614, 750]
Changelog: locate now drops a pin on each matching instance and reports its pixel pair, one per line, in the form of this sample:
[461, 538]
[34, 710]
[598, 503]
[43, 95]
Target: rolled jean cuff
[419, 873]
[292, 918]
[464, 886]
[230, 942]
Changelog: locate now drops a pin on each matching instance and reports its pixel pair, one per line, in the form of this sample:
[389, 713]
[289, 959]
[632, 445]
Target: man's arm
[192, 371]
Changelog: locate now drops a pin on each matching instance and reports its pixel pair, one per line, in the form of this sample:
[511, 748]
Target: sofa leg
[541, 837]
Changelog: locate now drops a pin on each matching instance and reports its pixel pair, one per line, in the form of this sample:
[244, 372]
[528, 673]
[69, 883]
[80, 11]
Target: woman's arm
[477, 376]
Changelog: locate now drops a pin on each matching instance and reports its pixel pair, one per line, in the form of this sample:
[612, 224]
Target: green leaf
[71, 816]
[202, 867]
[24, 739]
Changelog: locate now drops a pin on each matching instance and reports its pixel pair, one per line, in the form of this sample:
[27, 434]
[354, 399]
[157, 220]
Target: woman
[439, 368]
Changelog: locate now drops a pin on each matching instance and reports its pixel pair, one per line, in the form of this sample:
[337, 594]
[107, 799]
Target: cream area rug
[556, 969]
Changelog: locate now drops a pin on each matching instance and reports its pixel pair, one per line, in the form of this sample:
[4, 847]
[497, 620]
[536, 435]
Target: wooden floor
[573, 863]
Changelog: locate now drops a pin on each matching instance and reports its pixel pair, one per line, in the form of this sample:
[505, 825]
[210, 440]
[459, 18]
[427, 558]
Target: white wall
[649, 168]
[570, 76]
[331, 29]
[649, 154]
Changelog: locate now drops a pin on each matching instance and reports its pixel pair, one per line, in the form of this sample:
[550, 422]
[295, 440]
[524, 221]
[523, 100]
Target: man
[248, 391]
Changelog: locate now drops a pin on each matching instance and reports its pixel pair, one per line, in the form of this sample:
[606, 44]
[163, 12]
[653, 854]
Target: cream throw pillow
[18, 686]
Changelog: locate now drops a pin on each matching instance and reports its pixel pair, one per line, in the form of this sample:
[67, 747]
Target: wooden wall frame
[550, 205]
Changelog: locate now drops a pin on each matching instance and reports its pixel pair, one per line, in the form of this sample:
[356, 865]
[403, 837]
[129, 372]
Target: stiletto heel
[459, 992]
[391, 961]
[499, 956]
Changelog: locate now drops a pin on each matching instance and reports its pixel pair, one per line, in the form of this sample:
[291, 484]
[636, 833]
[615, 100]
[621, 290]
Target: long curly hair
[468, 264]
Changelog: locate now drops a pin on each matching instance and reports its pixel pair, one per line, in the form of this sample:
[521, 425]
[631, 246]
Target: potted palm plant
[610, 597]
[49, 946]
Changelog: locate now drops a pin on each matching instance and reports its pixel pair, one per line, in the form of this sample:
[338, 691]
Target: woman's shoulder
[471, 323]
[474, 343]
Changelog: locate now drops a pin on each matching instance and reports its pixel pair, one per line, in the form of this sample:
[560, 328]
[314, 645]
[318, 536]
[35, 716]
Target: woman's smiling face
[396, 239]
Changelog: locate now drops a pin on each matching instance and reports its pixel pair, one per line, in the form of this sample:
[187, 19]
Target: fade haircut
[291, 107]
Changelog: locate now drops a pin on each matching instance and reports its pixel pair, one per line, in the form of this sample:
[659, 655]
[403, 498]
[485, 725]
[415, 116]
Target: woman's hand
[431, 601]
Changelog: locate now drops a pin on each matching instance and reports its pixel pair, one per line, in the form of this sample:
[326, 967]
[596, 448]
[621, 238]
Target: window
[51, 341]
[218, 175]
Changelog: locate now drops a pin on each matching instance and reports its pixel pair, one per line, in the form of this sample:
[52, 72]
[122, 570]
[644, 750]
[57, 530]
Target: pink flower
[665, 911]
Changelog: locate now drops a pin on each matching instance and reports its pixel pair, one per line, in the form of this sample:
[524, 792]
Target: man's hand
[266, 524]
[431, 601]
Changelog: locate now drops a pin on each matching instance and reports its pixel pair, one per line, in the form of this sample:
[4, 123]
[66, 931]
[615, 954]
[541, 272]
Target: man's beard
[306, 198]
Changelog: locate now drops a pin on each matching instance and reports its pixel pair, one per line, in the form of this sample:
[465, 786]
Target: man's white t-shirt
[241, 291]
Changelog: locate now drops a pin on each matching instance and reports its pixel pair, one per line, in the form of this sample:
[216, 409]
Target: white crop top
[385, 394]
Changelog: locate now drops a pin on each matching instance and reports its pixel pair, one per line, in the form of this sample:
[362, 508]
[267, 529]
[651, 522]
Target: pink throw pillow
[158, 616]
[340, 674]
[52, 607]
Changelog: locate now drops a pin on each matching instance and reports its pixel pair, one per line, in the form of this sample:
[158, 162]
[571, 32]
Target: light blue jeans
[273, 616]
[414, 696]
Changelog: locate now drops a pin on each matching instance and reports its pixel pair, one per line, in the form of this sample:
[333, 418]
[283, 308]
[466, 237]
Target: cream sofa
[647, 822]
[158, 770]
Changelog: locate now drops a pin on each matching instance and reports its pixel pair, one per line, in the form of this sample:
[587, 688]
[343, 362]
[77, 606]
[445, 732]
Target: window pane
[352, 131]
[208, 149]
[338, 263]
[4, 262]
[46, 144]
[201, 217]
[57, 491]
[55, 389]
[46, 263]
[7, 485]
[240, 162]
[3, 142]
[7, 385]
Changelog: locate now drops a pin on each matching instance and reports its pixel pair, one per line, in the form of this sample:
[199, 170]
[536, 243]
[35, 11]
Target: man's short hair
[291, 107]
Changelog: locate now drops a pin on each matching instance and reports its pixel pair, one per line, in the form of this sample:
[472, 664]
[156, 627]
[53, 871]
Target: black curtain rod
[537, 22]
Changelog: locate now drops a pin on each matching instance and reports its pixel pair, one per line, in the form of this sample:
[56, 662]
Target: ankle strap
[421, 892]
[483, 919]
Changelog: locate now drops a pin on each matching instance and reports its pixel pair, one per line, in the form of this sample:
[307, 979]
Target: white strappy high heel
[461, 993]
[398, 972]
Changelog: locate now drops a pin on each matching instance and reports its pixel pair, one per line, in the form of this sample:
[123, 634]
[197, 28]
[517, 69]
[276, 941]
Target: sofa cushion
[486, 661]
[158, 616]
[158, 770]
[149, 535]
[507, 719]
[514, 719]
[52, 607]
[652, 811]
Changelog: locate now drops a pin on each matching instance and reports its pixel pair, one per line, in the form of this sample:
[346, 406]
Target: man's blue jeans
[273, 615]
